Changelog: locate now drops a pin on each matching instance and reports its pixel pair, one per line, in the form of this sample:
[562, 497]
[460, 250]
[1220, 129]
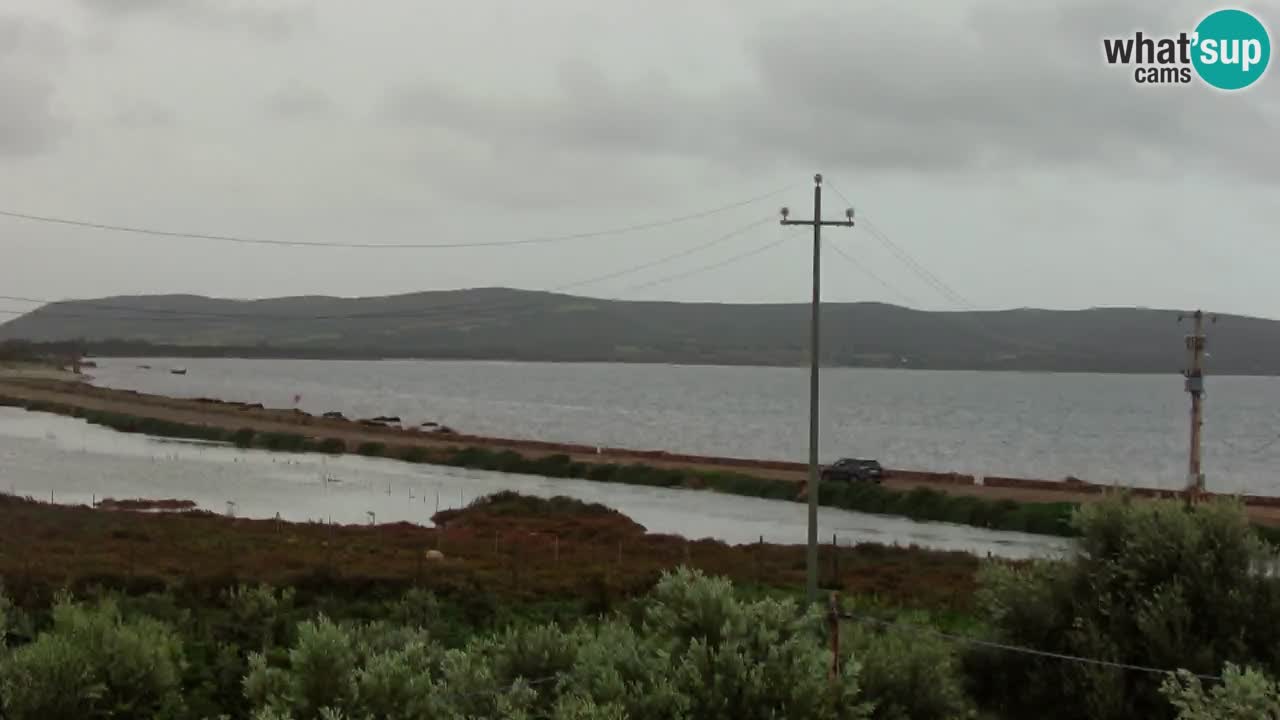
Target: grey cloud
[271, 19]
[1026, 87]
[29, 119]
[1016, 86]
[144, 115]
[29, 124]
[568, 144]
[297, 101]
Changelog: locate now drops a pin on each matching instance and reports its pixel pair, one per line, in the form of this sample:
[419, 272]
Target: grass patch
[332, 446]
[289, 442]
[372, 449]
[415, 455]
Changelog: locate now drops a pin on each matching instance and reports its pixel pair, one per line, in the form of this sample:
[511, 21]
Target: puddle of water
[42, 454]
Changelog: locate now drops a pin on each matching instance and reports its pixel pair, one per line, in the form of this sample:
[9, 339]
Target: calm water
[45, 456]
[1128, 429]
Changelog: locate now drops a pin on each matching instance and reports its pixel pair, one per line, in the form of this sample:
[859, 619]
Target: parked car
[853, 470]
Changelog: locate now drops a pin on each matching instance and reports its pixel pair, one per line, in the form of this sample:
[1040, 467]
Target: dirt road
[234, 416]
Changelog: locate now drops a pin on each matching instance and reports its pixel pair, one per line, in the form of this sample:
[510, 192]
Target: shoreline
[251, 425]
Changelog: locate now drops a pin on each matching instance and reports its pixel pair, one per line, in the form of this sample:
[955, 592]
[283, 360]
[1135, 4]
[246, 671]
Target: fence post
[515, 567]
[328, 550]
[835, 561]
[760, 561]
[833, 619]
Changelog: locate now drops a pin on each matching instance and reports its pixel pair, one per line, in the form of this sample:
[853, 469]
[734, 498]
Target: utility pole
[811, 557]
[1194, 374]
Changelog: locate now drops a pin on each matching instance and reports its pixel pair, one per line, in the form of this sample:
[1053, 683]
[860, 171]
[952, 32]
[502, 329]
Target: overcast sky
[987, 138]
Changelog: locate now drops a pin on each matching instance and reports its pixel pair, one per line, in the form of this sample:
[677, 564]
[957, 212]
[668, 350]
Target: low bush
[1151, 583]
[415, 455]
[94, 663]
[333, 446]
[291, 442]
[912, 676]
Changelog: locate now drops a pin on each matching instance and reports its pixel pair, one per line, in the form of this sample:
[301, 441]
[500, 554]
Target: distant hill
[496, 323]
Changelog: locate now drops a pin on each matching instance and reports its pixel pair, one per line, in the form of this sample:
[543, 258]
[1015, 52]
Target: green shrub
[92, 663]
[909, 675]
[1151, 583]
[291, 442]
[415, 455]
[243, 438]
[699, 653]
[558, 465]
[356, 670]
[332, 446]
[372, 449]
[603, 473]
[1244, 694]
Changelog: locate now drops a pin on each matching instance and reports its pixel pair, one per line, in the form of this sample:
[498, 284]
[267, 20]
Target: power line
[869, 273]
[428, 314]
[379, 246]
[705, 268]
[920, 630]
[972, 316]
[401, 314]
[907, 259]
[923, 272]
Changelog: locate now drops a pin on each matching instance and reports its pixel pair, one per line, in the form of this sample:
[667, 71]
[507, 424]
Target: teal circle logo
[1232, 49]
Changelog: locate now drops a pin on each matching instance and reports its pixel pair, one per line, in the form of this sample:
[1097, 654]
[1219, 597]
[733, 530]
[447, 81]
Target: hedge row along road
[1014, 504]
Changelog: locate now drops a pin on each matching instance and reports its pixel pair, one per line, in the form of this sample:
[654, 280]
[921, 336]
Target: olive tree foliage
[358, 670]
[1152, 584]
[259, 613]
[911, 676]
[1244, 694]
[698, 653]
[733, 659]
[6, 607]
[92, 663]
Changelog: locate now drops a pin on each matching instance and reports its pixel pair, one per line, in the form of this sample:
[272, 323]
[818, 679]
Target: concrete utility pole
[811, 558]
[1195, 387]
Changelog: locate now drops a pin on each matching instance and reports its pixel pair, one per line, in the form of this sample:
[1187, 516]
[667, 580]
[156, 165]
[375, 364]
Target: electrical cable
[869, 273]
[706, 268]
[379, 246]
[429, 314]
[1016, 648]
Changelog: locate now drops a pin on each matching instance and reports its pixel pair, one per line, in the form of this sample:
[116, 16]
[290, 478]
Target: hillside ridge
[511, 324]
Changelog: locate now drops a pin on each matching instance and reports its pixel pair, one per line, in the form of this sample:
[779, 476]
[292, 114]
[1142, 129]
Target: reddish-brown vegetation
[141, 504]
[520, 549]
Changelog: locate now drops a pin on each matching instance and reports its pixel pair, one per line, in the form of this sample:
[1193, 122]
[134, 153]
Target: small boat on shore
[178, 371]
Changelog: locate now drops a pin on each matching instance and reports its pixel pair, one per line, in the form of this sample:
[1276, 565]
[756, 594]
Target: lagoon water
[69, 461]
[1115, 429]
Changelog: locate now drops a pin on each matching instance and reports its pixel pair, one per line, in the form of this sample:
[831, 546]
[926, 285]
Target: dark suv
[853, 470]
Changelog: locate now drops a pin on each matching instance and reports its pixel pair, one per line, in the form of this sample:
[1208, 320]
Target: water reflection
[45, 455]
